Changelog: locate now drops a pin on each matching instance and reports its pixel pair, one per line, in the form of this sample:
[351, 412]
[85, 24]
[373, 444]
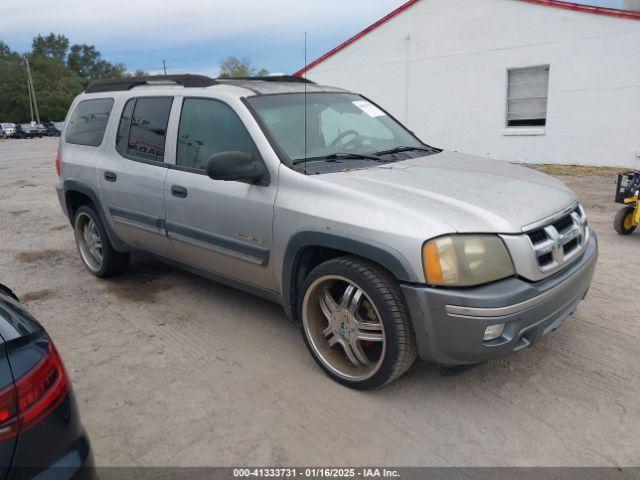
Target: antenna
[304, 75]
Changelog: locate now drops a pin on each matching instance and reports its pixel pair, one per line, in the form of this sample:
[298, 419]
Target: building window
[527, 96]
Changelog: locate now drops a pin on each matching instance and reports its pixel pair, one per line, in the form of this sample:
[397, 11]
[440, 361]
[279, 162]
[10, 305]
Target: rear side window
[89, 121]
[143, 128]
[208, 127]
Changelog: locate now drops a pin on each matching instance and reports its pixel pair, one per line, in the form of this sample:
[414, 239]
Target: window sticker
[368, 108]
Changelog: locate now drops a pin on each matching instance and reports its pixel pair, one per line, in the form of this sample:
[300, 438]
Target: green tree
[13, 81]
[82, 58]
[59, 74]
[233, 67]
[52, 46]
[55, 85]
[88, 64]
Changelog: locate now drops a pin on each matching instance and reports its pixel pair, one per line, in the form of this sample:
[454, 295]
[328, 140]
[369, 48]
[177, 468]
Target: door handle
[178, 191]
[110, 176]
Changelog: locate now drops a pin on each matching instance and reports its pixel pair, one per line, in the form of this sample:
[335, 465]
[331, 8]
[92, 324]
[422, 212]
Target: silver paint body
[396, 207]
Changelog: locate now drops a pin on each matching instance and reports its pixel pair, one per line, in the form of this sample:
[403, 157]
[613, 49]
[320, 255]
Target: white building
[536, 81]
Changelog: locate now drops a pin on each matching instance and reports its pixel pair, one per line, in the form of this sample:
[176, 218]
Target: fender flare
[380, 254]
[90, 191]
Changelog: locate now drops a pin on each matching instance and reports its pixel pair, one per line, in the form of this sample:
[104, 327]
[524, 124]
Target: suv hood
[468, 193]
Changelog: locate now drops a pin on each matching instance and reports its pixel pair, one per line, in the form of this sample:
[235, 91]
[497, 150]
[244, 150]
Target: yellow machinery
[628, 218]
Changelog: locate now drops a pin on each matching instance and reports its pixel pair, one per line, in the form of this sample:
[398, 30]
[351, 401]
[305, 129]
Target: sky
[195, 35]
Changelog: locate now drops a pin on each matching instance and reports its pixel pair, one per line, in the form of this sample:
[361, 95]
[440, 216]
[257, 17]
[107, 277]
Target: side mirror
[237, 167]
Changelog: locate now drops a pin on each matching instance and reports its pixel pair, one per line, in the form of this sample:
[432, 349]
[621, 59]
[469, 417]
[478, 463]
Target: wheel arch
[306, 250]
[78, 193]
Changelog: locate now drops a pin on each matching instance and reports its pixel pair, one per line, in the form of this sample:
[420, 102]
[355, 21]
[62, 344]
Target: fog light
[493, 331]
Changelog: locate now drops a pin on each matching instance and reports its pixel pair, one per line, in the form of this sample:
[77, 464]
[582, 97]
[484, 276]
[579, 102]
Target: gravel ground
[172, 369]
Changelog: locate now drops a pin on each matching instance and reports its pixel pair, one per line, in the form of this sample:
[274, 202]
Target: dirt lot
[173, 369]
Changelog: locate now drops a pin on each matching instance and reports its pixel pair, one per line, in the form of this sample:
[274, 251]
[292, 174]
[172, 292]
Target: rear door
[132, 179]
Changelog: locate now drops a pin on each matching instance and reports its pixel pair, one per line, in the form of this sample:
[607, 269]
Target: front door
[217, 226]
[132, 181]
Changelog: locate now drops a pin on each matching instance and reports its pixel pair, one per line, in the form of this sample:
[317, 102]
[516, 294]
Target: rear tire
[622, 221]
[355, 323]
[94, 246]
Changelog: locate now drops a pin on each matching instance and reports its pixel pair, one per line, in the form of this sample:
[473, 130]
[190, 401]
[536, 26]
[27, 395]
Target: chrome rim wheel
[343, 327]
[89, 241]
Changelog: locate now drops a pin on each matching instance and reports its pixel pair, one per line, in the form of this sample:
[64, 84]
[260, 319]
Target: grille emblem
[561, 241]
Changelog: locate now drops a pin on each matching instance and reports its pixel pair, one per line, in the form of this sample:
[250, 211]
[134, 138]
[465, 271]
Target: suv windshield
[339, 126]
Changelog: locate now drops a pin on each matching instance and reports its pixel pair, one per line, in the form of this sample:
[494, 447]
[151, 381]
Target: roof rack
[127, 83]
[270, 78]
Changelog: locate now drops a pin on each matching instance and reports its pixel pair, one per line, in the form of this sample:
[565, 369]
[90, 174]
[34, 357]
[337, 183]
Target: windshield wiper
[337, 156]
[404, 149]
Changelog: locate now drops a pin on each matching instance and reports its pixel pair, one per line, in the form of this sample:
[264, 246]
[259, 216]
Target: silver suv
[382, 247]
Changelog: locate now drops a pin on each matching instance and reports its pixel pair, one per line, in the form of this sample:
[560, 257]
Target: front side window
[336, 123]
[527, 96]
[143, 128]
[89, 121]
[208, 127]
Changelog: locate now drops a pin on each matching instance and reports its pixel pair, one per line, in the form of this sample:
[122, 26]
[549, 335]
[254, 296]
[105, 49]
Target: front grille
[557, 243]
[563, 224]
[538, 236]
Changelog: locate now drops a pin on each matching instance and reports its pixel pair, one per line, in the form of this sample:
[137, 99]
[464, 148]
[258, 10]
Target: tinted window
[208, 127]
[89, 121]
[143, 127]
[122, 137]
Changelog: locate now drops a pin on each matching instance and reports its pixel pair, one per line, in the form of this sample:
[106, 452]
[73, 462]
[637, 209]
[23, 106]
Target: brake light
[37, 393]
[8, 417]
[57, 163]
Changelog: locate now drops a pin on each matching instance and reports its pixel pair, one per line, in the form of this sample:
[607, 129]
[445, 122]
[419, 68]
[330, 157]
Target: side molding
[219, 243]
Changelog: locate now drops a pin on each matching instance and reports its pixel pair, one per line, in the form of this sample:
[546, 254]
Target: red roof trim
[357, 36]
[612, 12]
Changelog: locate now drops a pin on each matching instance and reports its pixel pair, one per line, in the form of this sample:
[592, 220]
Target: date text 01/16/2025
[315, 472]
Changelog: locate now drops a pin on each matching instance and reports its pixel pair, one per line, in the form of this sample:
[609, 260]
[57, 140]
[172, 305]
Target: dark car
[42, 130]
[51, 129]
[40, 429]
[26, 130]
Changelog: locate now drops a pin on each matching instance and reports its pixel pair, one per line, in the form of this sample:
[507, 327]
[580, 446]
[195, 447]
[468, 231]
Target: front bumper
[450, 323]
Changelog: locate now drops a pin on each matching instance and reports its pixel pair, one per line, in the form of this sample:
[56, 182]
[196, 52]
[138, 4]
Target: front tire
[94, 246]
[623, 221]
[355, 323]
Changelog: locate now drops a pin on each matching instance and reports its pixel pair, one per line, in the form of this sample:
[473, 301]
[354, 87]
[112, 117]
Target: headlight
[464, 260]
